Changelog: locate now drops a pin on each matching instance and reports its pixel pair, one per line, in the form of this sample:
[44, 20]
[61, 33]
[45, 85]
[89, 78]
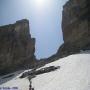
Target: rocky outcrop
[75, 27]
[16, 47]
[35, 72]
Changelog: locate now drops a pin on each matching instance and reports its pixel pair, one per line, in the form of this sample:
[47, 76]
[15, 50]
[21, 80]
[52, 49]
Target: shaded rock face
[16, 47]
[75, 27]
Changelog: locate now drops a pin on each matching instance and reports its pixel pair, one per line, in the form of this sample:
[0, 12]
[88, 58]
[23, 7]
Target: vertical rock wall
[75, 27]
[16, 47]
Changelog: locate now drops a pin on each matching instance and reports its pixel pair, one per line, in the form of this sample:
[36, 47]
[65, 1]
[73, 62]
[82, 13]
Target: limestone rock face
[16, 47]
[75, 27]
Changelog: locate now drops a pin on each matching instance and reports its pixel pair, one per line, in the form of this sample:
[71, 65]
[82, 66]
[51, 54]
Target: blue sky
[45, 22]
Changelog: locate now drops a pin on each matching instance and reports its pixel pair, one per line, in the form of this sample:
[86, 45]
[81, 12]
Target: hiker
[30, 86]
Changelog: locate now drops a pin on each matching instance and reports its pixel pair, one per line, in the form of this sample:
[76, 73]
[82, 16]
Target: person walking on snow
[30, 86]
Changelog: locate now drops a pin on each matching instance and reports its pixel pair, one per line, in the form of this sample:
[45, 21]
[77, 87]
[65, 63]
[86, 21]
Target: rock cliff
[16, 47]
[75, 27]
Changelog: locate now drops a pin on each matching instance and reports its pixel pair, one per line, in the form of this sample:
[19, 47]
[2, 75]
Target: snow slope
[74, 74]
